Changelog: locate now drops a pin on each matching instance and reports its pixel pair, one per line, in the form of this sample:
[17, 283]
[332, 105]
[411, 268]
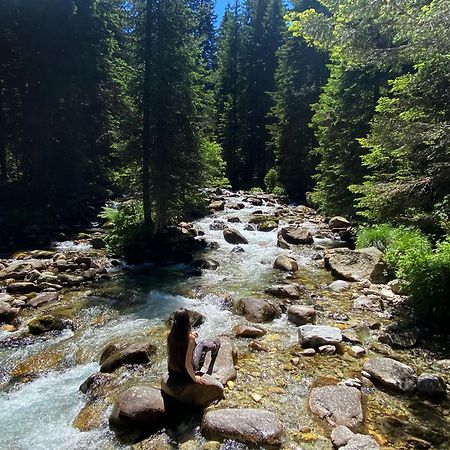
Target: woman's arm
[188, 362]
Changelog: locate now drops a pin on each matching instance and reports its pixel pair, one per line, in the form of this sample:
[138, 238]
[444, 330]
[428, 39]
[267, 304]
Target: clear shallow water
[41, 398]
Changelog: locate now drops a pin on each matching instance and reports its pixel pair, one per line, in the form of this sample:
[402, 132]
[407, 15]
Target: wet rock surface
[255, 426]
[337, 405]
[317, 335]
[259, 310]
[391, 374]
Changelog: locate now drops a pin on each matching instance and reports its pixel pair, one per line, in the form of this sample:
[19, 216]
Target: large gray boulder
[233, 236]
[301, 315]
[337, 405]
[296, 236]
[259, 310]
[254, 426]
[285, 263]
[356, 265]
[391, 374]
[137, 411]
[192, 393]
[132, 354]
[318, 335]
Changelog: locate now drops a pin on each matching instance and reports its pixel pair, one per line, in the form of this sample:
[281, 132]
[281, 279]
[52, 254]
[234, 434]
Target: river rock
[296, 236]
[248, 331]
[132, 354]
[43, 299]
[70, 280]
[401, 339]
[192, 393]
[233, 236]
[7, 313]
[92, 385]
[98, 243]
[339, 286]
[357, 351]
[47, 277]
[42, 324]
[337, 222]
[254, 426]
[341, 435]
[337, 405]
[267, 225]
[206, 263]
[282, 243]
[286, 263]
[391, 373]
[21, 287]
[236, 206]
[42, 254]
[366, 303]
[218, 205]
[195, 318]
[259, 310]
[301, 315]
[224, 369]
[318, 335]
[218, 225]
[18, 270]
[356, 265]
[291, 291]
[361, 442]
[138, 411]
[432, 387]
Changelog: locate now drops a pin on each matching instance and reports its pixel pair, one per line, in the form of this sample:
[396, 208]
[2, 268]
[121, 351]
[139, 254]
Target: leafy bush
[126, 226]
[271, 180]
[426, 276]
[379, 236]
[395, 242]
[213, 165]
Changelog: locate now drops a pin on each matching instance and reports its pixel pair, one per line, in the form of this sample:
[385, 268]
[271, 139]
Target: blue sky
[220, 8]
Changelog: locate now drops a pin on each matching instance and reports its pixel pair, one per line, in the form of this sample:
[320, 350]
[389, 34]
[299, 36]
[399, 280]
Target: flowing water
[40, 403]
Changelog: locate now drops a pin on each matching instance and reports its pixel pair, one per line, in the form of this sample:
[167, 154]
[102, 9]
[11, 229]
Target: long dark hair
[178, 340]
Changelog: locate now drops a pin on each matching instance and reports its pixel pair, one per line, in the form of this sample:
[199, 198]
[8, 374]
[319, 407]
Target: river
[41, 406]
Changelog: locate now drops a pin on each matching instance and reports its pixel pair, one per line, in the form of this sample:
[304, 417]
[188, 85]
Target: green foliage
[126, 230]
[426, 276]
[214, 167]
[271, 180]
[395, 242]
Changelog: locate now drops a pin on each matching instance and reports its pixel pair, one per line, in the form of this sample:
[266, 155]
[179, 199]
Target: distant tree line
[348, 100]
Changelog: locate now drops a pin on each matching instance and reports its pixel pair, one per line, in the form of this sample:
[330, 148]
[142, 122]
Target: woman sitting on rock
[185, 355]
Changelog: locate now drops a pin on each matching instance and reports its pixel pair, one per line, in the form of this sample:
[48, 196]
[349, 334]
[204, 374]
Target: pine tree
[173, 140]
[301, 74]
[228, 86]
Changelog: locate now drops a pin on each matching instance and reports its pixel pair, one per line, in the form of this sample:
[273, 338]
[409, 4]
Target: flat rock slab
[43, 299]
[291, 291]
[356, 265]
[337, 405]
[192, 393]
[318, 335]
[391, 374]
[255, 426]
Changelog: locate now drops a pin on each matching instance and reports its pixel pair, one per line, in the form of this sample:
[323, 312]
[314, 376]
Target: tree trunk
[3, 168]
[146, 117]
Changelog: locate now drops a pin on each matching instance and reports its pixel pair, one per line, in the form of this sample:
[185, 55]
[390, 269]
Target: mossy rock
[42, 324]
